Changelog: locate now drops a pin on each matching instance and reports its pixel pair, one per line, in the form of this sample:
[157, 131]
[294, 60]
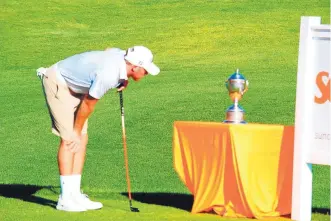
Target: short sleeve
[102, 84]
[98, 88]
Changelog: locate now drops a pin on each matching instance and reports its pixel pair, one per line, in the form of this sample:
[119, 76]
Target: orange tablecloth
[236, 170]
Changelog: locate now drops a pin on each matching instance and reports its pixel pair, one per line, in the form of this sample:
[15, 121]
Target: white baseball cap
[142, 57]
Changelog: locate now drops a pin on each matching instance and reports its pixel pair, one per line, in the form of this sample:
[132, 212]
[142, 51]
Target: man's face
[138, 73]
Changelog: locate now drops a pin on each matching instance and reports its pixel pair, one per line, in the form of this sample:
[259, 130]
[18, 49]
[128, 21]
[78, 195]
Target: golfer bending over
[72, 88]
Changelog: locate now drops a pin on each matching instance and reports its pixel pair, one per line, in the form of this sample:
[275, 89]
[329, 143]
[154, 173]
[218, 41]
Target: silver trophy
[237, 85]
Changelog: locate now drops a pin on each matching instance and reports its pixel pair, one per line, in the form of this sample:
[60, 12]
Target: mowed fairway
[197, 45]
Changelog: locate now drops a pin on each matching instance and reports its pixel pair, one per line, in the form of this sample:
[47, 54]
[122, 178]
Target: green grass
[197, 45]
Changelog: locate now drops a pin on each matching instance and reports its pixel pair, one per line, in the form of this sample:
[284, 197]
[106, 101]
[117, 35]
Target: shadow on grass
[176, 200]
[26, 193]
[185, 201]
[324, 211]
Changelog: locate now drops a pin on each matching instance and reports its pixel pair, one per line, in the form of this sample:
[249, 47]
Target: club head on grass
[134, 209]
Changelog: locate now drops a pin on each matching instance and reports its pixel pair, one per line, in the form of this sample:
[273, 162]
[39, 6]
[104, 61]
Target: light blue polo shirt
[93, 72]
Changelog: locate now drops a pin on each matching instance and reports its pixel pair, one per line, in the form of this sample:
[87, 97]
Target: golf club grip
[121, 103]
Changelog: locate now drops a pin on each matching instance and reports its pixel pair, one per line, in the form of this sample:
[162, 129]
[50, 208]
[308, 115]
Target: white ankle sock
[76, 182]
[66, 183]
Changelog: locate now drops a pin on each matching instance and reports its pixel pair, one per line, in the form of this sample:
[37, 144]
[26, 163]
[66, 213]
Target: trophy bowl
[237, 85]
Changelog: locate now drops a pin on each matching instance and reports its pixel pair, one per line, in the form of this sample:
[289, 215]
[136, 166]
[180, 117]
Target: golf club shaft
[125, 147]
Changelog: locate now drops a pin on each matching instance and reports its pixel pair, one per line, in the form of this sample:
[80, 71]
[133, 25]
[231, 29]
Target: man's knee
[65, 142]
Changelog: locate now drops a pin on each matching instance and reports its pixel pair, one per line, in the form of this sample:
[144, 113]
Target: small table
[234, 170]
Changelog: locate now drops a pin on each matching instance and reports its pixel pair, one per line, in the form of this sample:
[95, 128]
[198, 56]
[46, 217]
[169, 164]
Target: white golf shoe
[69, 205]
[83, 200]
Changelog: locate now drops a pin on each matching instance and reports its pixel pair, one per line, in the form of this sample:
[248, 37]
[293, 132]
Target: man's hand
[74, 145]
[122, 84]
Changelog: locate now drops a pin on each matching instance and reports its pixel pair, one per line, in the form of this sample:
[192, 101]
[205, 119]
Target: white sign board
[312, 113]
[320, 152]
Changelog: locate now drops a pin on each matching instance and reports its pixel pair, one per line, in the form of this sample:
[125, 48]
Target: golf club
[133, 209]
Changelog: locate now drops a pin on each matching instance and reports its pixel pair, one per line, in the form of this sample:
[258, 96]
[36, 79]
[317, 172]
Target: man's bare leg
[66, 164]
[79, 157]
[71, 166]
[71, 163]
[65, 159]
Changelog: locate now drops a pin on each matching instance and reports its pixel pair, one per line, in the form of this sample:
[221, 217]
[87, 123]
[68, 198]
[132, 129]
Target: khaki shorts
[62, 105]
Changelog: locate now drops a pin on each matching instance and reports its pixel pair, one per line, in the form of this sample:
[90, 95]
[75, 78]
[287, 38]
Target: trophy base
[234, 122]
[235, 115]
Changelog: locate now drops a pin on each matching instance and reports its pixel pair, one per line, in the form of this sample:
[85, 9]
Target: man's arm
[85, 109]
